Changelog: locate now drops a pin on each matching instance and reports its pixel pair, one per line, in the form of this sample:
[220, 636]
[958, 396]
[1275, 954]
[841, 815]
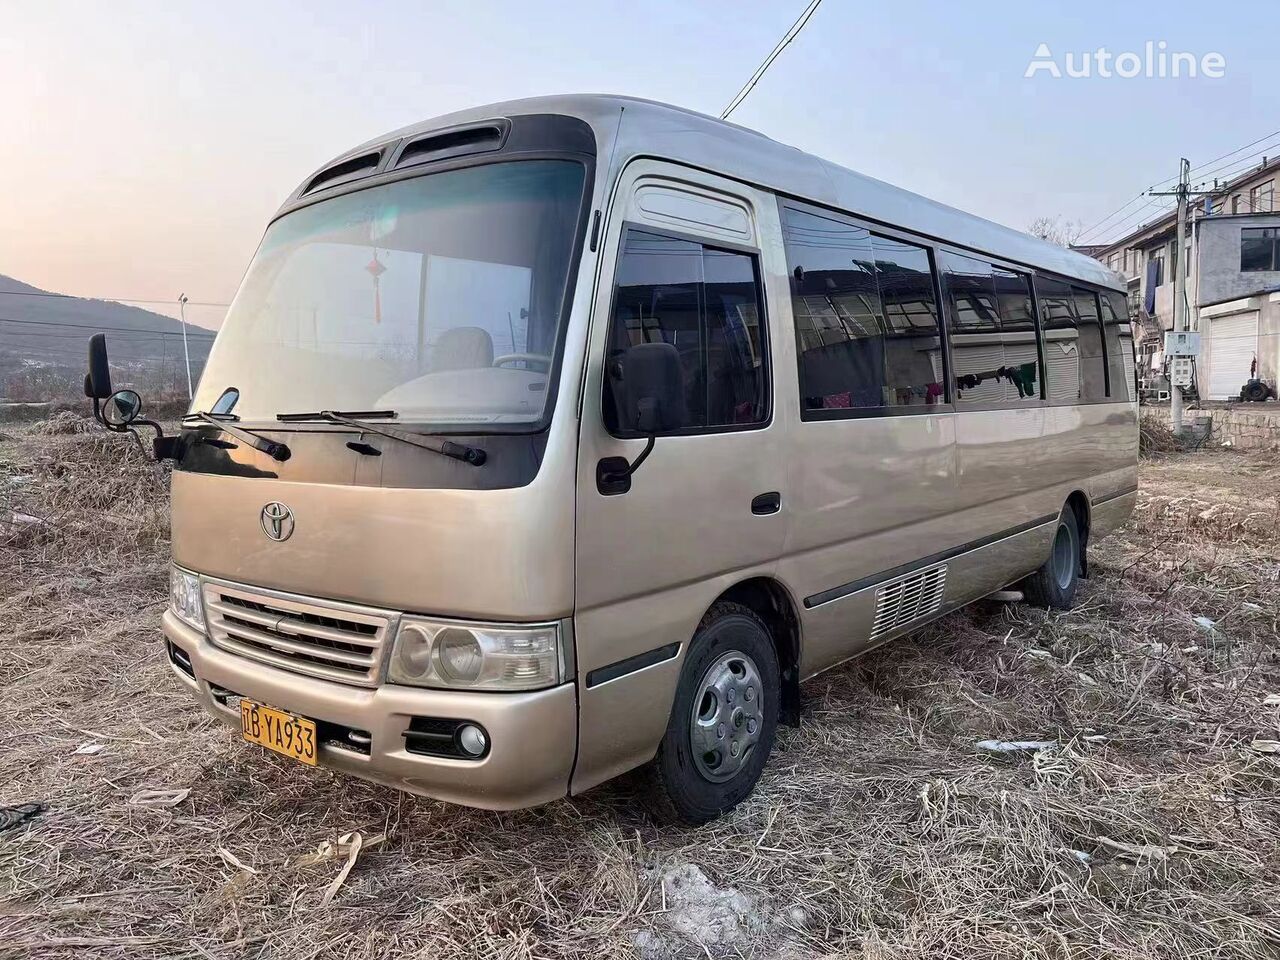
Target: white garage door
[1233, 344]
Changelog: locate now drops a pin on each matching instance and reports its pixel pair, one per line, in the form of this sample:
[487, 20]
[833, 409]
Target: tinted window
[1093, 366]
[1260, 249]
[994, 355]
[1118, 336]
[704, 302]
[866, 317]
[1075, 370]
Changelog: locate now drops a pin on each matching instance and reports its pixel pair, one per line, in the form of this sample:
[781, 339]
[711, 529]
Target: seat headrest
[462, 348]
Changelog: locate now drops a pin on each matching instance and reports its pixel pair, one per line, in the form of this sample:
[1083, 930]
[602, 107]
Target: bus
[561, 437]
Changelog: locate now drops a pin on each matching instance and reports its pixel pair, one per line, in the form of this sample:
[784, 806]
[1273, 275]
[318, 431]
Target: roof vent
[458, 142]
[355, 167]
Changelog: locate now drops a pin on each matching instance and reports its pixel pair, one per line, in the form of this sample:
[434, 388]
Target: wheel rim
[1064, 557]
[727, 718]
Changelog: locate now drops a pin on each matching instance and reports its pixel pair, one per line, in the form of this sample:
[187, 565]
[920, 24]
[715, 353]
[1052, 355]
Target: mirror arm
[624, 470]
[648, 448]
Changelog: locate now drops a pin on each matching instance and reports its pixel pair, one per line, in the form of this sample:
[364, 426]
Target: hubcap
[1064, 557]
[728, 716]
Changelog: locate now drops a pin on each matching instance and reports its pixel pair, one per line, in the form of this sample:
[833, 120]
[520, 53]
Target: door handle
[766, 503]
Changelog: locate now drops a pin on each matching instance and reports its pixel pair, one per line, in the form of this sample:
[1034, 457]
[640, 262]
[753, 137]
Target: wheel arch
[1079, 503]
[768, 599]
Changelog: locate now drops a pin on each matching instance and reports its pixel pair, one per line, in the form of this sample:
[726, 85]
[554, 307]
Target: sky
[147, 144]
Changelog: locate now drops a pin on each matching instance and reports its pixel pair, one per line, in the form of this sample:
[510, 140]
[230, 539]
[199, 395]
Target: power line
[99, 327]
[1238, 167]
[1088, 230]
[1093, 229]
[1162, 208]
[768, 61]
[125, 300]
[1275, 133]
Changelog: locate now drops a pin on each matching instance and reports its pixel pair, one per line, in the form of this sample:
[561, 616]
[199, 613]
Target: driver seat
[462, 348]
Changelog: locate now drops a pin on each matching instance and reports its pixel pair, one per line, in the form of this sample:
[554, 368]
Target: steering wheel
[529, 358]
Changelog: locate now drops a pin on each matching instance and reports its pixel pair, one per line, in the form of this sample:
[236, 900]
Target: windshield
[438, 297]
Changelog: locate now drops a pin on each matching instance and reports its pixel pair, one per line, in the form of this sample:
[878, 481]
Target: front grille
[318, 638]
[908, 599]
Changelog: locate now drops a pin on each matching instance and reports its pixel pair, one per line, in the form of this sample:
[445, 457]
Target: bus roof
[628, 127]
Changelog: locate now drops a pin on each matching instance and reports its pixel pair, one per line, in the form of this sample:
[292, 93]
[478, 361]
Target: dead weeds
[1143, 825]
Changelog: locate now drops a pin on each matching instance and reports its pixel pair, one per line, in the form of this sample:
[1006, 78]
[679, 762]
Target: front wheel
[723, 720]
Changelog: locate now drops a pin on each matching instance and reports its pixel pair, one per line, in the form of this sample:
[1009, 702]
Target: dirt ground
[1149, 826]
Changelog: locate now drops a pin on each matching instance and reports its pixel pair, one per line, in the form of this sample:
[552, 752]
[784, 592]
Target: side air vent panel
[458, 142]
[346, 170]
[908, 599]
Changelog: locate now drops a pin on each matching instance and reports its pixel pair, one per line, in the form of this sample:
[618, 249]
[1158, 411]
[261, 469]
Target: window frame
[1098, 293]
[947, 405]
[766, 340]
[935, 246]
[1256, 193]
[985, 406]
[1275, 248]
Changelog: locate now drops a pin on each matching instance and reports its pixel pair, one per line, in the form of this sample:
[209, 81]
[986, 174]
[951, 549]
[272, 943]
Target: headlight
[184, 597]
[476, 656]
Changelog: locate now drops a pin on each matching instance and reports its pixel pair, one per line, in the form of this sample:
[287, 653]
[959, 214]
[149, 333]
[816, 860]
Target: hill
[44, 340]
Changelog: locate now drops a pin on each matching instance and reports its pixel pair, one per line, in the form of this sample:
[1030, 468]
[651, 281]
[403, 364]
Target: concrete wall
[1220, 275]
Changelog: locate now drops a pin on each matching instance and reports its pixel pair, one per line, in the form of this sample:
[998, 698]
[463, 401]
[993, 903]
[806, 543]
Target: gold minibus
[561, 437]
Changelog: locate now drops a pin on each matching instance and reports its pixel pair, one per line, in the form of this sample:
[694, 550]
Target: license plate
[282, 732]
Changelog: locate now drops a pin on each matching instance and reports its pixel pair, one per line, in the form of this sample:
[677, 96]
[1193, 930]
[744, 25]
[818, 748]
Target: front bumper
[533, 736]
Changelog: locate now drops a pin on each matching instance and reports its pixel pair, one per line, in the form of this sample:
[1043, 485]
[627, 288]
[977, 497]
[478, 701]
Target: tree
[1055, 230]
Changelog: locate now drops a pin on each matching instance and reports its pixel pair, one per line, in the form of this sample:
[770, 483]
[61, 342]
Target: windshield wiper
[457, 451]
[272, 448]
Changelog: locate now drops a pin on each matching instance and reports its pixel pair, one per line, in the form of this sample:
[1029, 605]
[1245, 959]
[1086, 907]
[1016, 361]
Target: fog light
[472, 740]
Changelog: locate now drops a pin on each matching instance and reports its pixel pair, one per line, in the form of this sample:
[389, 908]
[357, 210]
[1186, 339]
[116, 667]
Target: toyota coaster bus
[554, 438]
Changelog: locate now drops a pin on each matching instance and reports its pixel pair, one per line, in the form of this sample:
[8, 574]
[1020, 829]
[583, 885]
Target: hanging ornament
[376, 269]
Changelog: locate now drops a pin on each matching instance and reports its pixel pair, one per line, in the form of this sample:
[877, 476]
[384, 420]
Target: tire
[729, 694]
[1255, 391]
[1054, 585]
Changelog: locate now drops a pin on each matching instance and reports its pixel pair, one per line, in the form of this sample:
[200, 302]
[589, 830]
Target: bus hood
[504, 554]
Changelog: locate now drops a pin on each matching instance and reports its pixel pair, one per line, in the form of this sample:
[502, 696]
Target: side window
[1093, 364]
[706, 303]
[1117, 333]
[867, 325]
[994, 356]
[1259, 249]
[1074, 368]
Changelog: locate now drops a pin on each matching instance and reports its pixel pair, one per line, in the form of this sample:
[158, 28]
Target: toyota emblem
[277, 521]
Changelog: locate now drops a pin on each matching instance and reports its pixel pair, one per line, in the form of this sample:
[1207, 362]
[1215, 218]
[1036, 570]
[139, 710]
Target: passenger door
[684, 264]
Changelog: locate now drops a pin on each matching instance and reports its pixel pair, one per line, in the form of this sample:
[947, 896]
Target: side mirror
[652, 389]
[97, 385]
[122, 408]
[651, 402]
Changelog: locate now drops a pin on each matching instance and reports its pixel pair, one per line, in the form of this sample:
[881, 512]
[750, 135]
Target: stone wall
[1245, 426]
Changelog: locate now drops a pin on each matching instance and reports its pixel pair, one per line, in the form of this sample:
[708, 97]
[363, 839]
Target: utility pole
[1179, 282]
[1179, 290]
[182, 311]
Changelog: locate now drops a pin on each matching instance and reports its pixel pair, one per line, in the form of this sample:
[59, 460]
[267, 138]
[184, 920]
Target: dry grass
[879, 830]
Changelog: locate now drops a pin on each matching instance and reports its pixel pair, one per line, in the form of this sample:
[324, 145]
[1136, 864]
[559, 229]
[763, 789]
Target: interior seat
[462, 348]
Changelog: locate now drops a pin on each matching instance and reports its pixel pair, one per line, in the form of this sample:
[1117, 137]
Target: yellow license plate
[282, 732]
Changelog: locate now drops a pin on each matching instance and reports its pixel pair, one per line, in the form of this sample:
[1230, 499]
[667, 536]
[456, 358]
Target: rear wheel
[723, 720]
[1054, 584]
